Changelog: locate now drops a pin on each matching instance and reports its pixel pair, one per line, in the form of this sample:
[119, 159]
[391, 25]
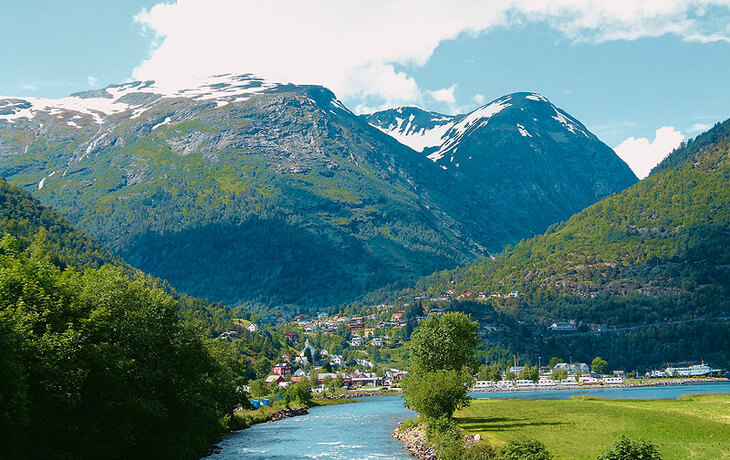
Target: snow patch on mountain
[569, 124]
[136, 96]
[470, 123]
[415, 137]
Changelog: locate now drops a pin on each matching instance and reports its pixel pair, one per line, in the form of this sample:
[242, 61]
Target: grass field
[691, 427]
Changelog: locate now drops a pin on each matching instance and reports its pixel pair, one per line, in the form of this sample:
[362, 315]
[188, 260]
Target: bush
[524, 449]
[626, 449]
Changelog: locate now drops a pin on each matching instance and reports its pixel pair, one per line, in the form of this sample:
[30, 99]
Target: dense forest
[100, 360]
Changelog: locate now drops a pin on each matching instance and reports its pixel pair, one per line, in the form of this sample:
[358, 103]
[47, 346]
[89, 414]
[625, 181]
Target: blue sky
[625, 71]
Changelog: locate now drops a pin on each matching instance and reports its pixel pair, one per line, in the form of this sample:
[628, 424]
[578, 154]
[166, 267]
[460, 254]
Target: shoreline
[659, 383]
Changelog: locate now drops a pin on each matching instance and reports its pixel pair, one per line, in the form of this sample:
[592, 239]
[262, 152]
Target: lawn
[696, 427]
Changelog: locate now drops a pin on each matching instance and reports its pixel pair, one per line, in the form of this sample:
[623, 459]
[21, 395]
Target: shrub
[626, 449]
[524, 449]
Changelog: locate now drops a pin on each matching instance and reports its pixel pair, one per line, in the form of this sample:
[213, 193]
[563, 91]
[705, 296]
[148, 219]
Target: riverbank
[361, 394]
[639, 384]
[246, 418]
[414, 440]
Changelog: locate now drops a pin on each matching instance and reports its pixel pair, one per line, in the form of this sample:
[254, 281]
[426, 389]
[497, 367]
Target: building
[275, 379]
[252, 328]
[357, 322]
[356, 340]
[376, 342]
[563, 326]
[281, 369]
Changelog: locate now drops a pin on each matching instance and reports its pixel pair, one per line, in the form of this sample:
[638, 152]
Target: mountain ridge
[246, 191]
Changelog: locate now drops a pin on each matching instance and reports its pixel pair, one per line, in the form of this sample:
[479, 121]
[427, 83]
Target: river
[362, 430]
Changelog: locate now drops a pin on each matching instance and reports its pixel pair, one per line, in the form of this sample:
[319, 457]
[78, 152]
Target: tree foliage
[98, 365]
[443, 342]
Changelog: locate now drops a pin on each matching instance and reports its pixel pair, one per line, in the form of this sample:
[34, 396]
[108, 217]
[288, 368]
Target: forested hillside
[100, 360]
[652, 262]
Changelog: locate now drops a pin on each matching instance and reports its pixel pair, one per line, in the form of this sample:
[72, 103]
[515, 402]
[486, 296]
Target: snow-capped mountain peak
[134, 96]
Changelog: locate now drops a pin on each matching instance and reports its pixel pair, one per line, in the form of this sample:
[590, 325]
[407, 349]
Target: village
[365, 352]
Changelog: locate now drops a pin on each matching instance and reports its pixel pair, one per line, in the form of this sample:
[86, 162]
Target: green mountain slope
[243, 191]
[652, 261]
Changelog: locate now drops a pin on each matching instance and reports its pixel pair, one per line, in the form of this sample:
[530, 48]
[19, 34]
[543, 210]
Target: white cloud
[479, 99]
[28, 87]
[352, 47]
[642, 154]
[444, 94]
[700, 127]
[92, 82]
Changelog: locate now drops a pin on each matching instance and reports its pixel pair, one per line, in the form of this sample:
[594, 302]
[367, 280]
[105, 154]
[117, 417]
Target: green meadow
[690, 427]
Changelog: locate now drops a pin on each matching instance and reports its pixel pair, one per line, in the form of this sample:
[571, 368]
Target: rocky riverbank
[414, 440]
[286, 413]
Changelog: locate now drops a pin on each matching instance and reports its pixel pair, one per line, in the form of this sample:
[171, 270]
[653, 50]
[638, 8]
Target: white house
[252, 328]
[613, 380]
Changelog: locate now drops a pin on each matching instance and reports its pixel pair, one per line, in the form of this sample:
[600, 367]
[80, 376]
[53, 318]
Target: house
[365, 378]
[376, 342]
[396, 316]
[357, 322]
[275, 379]
[356, 340]
[365, 363]
[563, 326]
[368, 331]
[228, 335]
[336, 360]
[514, 294]
[291, 335]
[310, 328]
[299, 373]
[452, 292]
[309, 347]
[321, 377]
[252, 328]
[467, 293]
[281, 369]
[613, 380]
[286, 357]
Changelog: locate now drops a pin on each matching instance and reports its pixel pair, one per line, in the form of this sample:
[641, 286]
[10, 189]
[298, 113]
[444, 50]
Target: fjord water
[362, 430]
[656, 392]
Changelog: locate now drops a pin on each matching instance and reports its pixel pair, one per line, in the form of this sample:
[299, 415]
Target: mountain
[245, 191]
[526, 157]
[645, 272]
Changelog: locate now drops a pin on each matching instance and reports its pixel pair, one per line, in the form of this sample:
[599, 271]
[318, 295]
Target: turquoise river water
[362, 430]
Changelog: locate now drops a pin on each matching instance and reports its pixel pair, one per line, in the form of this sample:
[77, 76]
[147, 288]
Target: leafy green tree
[626, 449]
[554, 362]
[559, 374]
[300, 392]
[437, 393]
[257, 388]
[524, 449]
[443, 342]
[489, 372]
[262, 368]
[599, 365]
[530, 373]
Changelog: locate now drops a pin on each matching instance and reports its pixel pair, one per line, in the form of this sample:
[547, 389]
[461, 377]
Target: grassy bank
[245, 418]
[696, 427]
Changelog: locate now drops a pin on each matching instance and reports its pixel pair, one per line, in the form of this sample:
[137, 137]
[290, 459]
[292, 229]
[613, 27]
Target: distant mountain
[246, 191]
[520, 153]
[419, 129]
[646, 272]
